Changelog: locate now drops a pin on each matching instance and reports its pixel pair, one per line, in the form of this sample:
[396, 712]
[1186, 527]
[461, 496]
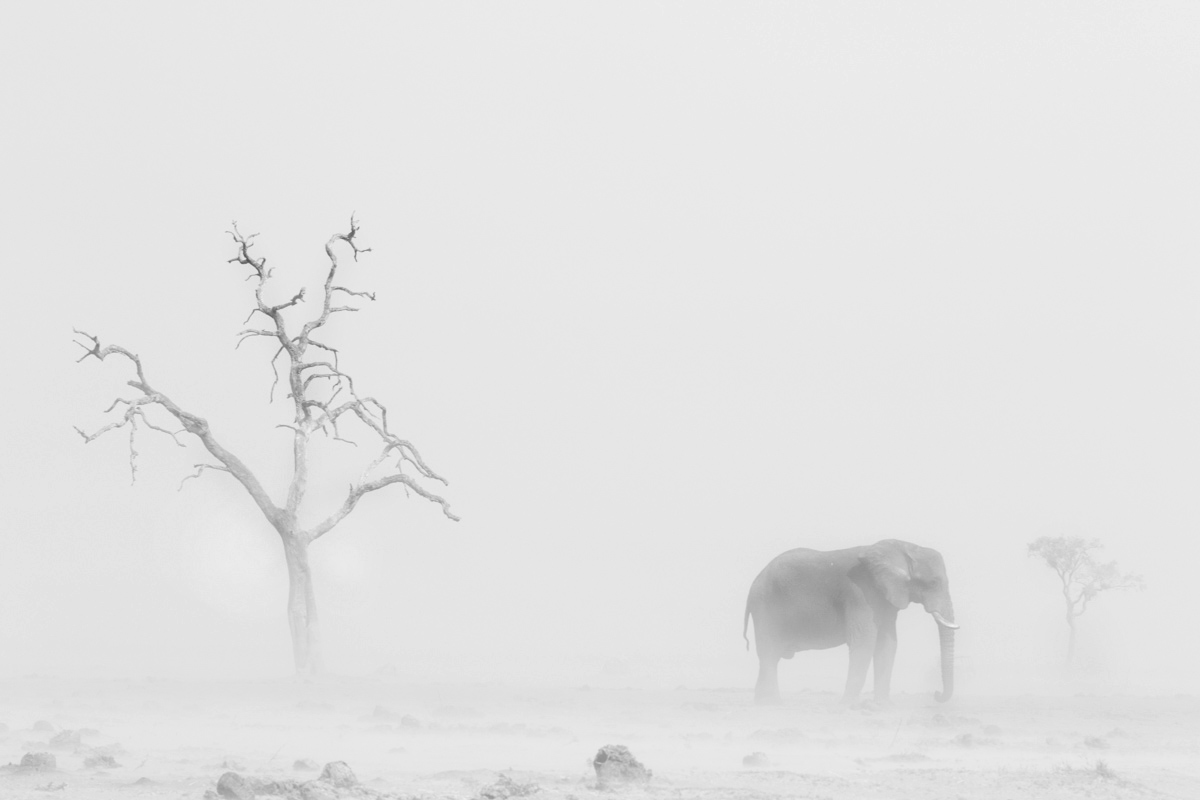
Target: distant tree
[315, 383]
[1073, 559]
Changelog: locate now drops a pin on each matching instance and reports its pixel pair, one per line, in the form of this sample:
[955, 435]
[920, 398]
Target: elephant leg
[885, 657]
[766, 691]
[862, 648]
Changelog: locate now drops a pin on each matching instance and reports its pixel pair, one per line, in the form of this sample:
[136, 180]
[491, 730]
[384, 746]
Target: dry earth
[149, 739]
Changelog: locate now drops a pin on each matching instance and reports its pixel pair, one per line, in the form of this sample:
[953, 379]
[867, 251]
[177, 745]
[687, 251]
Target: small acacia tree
[1083, 578]
[322, 395]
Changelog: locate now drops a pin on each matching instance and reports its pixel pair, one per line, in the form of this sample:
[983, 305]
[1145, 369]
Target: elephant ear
[890, 567]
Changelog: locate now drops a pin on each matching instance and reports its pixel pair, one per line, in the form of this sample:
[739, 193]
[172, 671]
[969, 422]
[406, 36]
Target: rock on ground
[235, 787]
[39, 761]
[615, 764]
[756, 759]
[339, 774]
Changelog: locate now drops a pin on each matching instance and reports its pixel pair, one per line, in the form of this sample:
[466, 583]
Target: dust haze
[663, 291]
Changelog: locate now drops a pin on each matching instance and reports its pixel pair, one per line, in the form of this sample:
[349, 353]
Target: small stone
[42, 725]
[339, 774]
[505, 788]
[305, 765]
[615, 764]
[235, 787]
[756, 759]
[39, 761]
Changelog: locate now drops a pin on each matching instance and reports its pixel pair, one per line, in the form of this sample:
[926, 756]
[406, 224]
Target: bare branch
[193, 424]
[88, 438]
[116, 403]
[133, 454]
[102, 353]
[250, 332]
[376, 463]
[173, 434]
[296, 299]
[368, 295]
[349, 238]
[336, 435]
[133, 413]
[357, 492]
[404, 448]
[334, 375]
[200, 469]
[273, 312]
[327, 307]
[275, 370]
[374, 415]
[94, 350]
[244, 243]
[327, 348]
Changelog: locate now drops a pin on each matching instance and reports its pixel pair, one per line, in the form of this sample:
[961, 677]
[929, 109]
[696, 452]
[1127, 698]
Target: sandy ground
[175, 739]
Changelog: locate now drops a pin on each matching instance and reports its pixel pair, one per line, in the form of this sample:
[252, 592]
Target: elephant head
[907, 573]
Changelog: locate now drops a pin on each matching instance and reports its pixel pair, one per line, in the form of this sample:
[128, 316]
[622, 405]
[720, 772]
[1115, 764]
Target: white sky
[664, 290]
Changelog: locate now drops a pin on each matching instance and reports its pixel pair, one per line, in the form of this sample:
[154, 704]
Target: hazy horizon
[663, 290]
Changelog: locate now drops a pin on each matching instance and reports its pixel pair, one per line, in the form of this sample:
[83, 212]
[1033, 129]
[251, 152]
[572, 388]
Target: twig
[200, 469]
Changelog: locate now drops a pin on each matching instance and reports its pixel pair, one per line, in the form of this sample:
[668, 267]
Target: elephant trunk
[946, 628]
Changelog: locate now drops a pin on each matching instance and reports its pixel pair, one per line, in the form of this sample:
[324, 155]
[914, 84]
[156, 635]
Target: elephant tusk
[942, 621]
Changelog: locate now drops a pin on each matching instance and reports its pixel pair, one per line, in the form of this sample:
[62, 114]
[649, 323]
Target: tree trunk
[302, 608]
[1070, 642]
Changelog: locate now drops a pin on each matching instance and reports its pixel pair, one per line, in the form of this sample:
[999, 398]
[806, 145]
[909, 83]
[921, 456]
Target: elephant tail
[746, 624]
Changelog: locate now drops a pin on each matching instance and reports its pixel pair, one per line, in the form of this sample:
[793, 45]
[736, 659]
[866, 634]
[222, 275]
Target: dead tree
[322, 397]
[1082, 577]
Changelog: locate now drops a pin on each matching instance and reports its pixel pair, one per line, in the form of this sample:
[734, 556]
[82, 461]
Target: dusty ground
[172, 739]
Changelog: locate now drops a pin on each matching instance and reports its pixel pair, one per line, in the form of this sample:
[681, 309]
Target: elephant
[814, 600]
